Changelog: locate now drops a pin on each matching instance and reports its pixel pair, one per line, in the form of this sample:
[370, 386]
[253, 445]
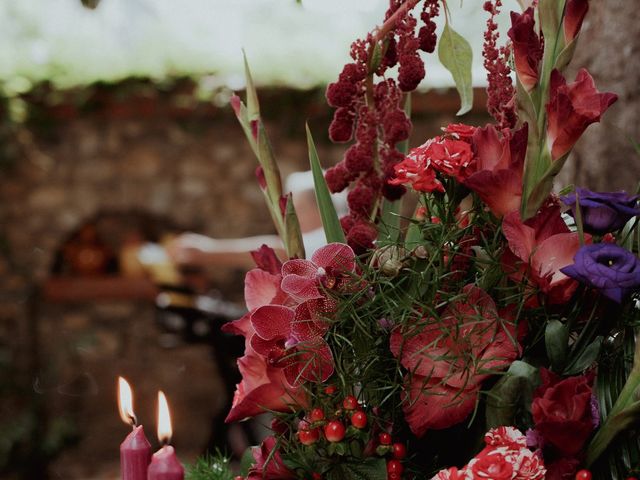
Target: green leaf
[389, 226]
[247, 461]
[513, 389]
[556, 339]
[295, 247]
[368, 469]
[585, 359]
[456, 55]
[253, 106]
[332, 228]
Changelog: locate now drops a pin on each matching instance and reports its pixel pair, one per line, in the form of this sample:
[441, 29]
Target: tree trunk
[609, 47]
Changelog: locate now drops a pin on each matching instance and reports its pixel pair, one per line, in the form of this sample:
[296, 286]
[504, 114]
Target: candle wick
[134, 420]
[164, 442]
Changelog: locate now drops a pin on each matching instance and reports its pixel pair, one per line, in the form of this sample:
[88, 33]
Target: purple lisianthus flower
[607, 267]
[603, 212]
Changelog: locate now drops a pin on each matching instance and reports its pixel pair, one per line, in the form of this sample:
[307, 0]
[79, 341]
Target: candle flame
[164, 419]
[125, 402]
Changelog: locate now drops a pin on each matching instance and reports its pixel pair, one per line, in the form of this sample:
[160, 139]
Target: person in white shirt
[191, 249]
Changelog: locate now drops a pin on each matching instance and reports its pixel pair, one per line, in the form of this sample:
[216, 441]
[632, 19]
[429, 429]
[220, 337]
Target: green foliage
[210, 467]
[512, 393]
[369, 469]
[456, 55]
[330, 222]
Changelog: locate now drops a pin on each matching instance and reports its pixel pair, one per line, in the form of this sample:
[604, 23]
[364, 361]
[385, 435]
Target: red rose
[562, 412]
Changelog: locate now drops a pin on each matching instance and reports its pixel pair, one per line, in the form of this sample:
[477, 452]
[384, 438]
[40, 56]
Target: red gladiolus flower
[268, 464]
[292, 340]
[562, 412]
[329, 268]
[538, 249]
[498, 172]
[443, 384]
[571, 109]
[527, 48]
[574, 14]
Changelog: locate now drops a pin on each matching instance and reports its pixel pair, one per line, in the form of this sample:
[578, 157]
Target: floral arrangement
[496, 308]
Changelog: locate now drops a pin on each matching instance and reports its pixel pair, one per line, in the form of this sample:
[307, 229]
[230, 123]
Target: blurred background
[115, 133]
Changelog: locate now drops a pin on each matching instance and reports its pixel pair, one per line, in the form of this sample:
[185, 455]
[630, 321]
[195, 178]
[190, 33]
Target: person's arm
[191, 249]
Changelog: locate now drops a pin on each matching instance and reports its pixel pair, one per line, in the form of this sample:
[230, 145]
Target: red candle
[135, 455]
[164, 463]
[135, 451]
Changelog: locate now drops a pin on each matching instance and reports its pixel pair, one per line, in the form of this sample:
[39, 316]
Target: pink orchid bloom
[449, 359]
[571, 109]
[538, 249]
[262, 387]
[499, 167]
[328, 269]
[292, 340]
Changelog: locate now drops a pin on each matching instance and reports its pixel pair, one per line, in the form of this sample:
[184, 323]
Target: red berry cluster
[341, 421]
[500, 92]
[397, 452]
[371, 114]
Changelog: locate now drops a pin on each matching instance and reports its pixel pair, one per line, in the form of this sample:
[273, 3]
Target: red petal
[262, 388]
[302, 288]
[297, 266]
[261, 288]
[272, 321]
[267, 260]
[312, 361]
[307, 324]
[521, 237]
[337, 256]
[435, 406]
[500, 190]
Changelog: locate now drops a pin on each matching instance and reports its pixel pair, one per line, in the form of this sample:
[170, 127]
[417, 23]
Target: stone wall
[192, 168]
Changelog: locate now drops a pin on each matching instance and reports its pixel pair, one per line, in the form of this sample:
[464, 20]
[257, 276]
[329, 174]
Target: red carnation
[562, 412]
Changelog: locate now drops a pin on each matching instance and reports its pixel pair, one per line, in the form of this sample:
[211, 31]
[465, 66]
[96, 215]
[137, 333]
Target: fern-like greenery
[210, 467]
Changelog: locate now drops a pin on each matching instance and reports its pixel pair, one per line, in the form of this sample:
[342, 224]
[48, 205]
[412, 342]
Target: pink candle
[135, 455]
[165, 465]
[135, 451]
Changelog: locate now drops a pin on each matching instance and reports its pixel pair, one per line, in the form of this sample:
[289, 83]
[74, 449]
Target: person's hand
[189, 249]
